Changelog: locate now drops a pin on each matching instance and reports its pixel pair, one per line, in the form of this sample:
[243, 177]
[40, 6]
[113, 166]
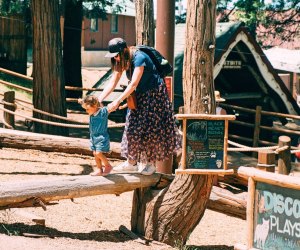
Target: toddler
[99, 137]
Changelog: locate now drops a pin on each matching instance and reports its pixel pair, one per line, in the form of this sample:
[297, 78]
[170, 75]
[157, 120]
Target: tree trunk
[72, 47]
[144, 22]
[48, 75]
[198, 82]
[172, 214]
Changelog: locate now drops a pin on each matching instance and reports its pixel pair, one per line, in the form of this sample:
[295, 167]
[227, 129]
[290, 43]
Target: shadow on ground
[212, 247]
[19, 229]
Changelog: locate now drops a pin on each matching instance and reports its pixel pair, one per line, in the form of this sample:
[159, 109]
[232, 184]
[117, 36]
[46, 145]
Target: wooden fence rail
[9, 72]
[258, 127]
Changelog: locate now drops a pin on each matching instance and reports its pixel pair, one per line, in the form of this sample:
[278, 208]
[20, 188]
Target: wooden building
[286, 62]
[97, 33]
[13, 43]
[242, 73]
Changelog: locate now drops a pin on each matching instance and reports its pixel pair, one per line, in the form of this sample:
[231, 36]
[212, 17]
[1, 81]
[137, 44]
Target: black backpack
[162, 65]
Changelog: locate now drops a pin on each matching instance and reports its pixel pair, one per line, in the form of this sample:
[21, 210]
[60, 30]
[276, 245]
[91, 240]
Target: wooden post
[256, 129]
[225, 144]
[183, 158]
[266, 160]
[284, 156]
[181, 110]
[250, 212]
[9, 96]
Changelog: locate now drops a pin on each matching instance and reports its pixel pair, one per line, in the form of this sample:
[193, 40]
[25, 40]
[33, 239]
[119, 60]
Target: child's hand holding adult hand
[113, 106]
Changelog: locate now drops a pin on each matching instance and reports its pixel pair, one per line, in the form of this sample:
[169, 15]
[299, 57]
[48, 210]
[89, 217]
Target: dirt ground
[90, 222]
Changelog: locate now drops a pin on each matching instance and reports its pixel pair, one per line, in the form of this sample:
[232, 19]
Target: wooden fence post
[284, 156]
[256, 129]
[9, 96]
[266, 160]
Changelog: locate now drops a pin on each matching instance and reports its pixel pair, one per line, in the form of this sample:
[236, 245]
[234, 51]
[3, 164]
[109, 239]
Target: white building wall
[93, 58]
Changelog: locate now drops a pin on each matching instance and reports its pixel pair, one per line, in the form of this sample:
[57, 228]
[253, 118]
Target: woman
[150, 132]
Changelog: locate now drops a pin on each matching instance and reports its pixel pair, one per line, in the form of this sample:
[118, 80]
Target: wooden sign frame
[258, 177]
[185, 118]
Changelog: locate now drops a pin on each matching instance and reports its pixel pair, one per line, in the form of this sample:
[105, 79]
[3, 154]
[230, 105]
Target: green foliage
[223, 5]
[280, 18]
[251, 13]
[180, 17]
[13, 6]
[97, 8]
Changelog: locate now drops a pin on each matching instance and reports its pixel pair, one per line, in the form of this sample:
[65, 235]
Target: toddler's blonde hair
[90, 100]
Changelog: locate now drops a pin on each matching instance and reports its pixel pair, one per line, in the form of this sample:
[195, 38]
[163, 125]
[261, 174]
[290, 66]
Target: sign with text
[276, 217]
[273, 210]
[205, 144]
[232, 64]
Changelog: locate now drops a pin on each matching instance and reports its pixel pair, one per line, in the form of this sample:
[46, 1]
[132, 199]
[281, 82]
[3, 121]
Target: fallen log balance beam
[34, 193]
[51, 143]
[226, 202]
[39, 192]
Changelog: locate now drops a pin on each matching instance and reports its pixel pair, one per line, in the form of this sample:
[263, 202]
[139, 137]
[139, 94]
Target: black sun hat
[115, 46]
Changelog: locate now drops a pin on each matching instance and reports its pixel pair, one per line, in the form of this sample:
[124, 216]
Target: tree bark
[198, 82]
[223, 201]
[51, 143]
[25, 193]
[172, 214]
[72, 47]
[144, 22]
[48, 75]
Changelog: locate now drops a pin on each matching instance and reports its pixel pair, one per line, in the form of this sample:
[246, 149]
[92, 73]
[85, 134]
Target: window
[94, 25]
[114, 24]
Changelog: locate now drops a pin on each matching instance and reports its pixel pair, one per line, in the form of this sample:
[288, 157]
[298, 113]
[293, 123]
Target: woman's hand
[113, 106]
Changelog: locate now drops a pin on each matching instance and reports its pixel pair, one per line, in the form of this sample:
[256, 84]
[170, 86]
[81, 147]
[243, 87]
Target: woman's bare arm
[136, 77]
[110, 86]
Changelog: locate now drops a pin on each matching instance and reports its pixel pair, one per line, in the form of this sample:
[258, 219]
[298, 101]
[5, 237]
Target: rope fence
[50, 114]
[119, 125]
[20, 100]
[238, 147]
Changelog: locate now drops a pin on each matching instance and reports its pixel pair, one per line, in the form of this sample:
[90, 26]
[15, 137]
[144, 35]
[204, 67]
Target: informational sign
[205, 144]
[276, 217]
[231, 64]
[273, 210]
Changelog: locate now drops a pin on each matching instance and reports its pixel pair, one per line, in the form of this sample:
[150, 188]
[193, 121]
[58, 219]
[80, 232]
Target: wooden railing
[258, 127]
[28, 90]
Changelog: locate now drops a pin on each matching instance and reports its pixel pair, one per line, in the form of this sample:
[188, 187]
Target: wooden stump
[9, 96]
[266, 161]
[284, 156]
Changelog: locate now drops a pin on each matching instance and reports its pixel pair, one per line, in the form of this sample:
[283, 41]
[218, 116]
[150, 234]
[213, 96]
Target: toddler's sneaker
[126, 167]
[147, 169]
